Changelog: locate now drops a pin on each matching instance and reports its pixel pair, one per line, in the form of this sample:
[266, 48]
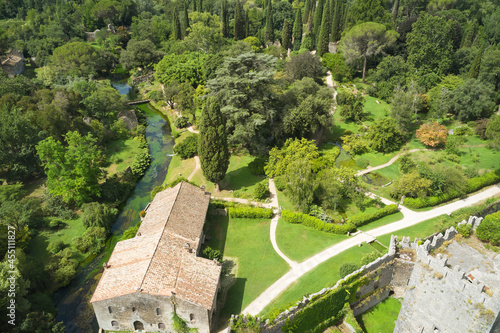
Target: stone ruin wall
[396, 268]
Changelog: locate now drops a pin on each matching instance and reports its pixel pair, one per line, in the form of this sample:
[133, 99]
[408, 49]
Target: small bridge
[139, 102]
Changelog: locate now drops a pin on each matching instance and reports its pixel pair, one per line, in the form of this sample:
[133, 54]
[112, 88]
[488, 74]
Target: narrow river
[72, 302]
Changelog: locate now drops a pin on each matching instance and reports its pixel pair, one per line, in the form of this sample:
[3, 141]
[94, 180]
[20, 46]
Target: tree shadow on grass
[216, 232]
[239, 178]
[234, 300]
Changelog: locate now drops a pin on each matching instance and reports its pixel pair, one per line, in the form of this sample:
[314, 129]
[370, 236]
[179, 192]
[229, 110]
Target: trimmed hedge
[362, 219]
[250, 212]
[315, 223]
[352, 223]
[473, 184]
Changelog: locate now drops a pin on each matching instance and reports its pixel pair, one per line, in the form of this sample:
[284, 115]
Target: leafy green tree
[411, 185]
[385, 135]
[41, 322]
[239, 31]
[354, 144]
[300, 184]
[308, 6]
[205, 33]
[337, 66]
[139, 53]
[286, 36]
[92, 240]
[337, 187]
[185, 21]
[432, 134]
[78, 59]
[188, 147]
[297, 30]
[493, 132]
[490, 68]
[11, 275]
[97, 214]
[404, 106]
[351, 105]
[243, 84]
[471, 100]
[186, 67]
[365, 40]
[73, 172]
[213, 150]
[391, 72]
[476, 65]
[104, 103]
[369, 11]
[292, 150]
[336, 25]
[430, 46]
[282, 11]
[309, 112]
[406, 164]
[318, 16]
[304, 65]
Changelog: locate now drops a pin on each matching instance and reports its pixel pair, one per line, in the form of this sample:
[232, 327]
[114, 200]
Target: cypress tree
[194, 5]
[238, 24]
[224, 18]
[324, 35]
[212, 146]
[176, 25]
[476, 65]
[318, 16]
[307, 10]
[336, 20]
[185, 21]
[297, 30]
[200, 7]
[286, 36]
[395, 11]
[269, 23]
[247, 24]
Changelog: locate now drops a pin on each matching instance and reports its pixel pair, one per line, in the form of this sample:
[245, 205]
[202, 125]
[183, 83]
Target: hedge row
[351, 224]
[473, 184]
[315, 223]
[250, 212]
[362, 219]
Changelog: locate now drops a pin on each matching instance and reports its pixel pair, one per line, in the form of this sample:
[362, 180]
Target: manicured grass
[381, 318]
[285, 202]
[121, 154]
[238, 179]
[383, 221]
[246, 241]
[299, 242]
[179, 168]
[324, 275]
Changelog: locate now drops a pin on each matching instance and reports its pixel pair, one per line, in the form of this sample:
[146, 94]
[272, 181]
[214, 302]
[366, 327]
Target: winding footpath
[410, 218]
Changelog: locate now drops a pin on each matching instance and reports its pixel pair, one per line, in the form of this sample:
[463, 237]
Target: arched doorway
[138, 325]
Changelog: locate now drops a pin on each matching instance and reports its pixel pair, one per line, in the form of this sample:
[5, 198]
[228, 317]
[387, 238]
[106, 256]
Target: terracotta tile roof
[161, 259]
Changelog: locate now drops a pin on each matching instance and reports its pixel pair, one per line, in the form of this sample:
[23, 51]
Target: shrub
[56, 223]
[432, 135]
[187, 148]
[261, 190]
[141, 163]
[130, 232]
[406, 164]
[93, 240]
[56, 246]
[362, 162]
[369, 257]
[98, 215]
[257, 166]
[489, 229]
[347, 269]
[462, 130]
[315, 223]
[362, 219]
[212, 254]
[181, 122]
[464, 230]
[250, 212]
[142, 213]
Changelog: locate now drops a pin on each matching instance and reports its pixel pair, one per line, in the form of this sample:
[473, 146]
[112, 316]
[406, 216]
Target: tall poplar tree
[269, 23]
[307, 9]
[247, 24]
[194, 5]
[238, 22]
[176, 25]
[185, 21]
[337, 14]
[324, 35]
[286, 36]
[297, 30]
[225, 20]
[318, 16]
[200, 7]
[213, 150]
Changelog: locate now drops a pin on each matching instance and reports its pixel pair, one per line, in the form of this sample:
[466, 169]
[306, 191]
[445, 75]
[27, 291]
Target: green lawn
[324, 275]
[299, 242]
[383, 221]
[121, 154]
[238, 178]
[381, 318]
[179, 168]
[247, 241]
[285, 202]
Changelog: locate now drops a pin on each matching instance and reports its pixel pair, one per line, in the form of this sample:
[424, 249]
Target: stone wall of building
[151, 310]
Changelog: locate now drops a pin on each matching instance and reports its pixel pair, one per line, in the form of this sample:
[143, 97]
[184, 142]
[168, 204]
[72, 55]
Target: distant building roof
[162, 259]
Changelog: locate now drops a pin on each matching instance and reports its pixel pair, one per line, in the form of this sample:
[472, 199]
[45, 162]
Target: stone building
[13, 63]
[158, 273]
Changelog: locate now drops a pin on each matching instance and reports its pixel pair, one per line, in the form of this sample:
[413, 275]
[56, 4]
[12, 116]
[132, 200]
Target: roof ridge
[159, 239]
